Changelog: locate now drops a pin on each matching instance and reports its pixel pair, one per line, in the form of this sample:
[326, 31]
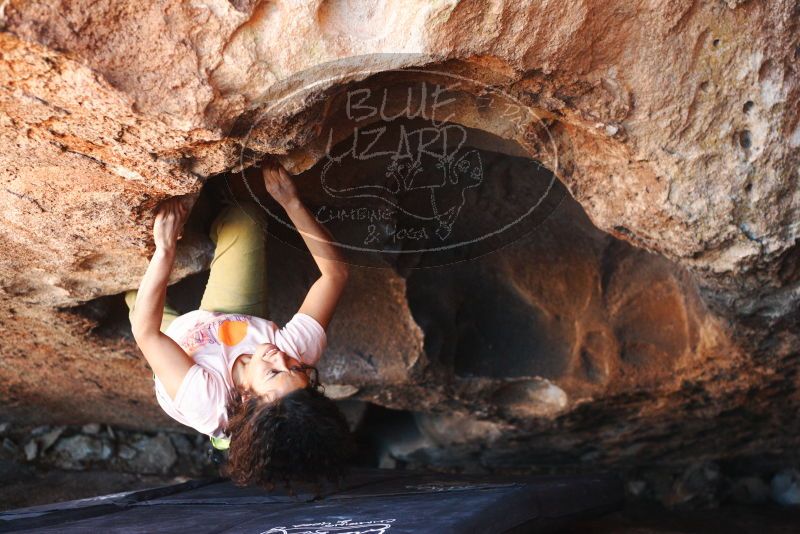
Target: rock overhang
[664, 153]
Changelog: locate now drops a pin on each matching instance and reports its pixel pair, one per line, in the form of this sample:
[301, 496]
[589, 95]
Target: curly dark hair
[301, 437]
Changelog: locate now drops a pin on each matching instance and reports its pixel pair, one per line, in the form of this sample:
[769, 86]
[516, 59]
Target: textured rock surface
[678, 132]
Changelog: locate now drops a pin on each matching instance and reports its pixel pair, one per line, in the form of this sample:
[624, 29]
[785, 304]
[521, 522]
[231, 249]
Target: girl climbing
[228, 372]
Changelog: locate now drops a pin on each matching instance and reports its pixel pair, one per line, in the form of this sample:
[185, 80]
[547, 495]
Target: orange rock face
[658, 295]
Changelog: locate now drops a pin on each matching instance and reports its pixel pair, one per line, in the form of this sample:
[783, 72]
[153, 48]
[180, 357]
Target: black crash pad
[370, 501]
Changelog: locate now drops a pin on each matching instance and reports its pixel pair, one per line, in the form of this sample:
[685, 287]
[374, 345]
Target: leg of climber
[237, 281]
[169, 312]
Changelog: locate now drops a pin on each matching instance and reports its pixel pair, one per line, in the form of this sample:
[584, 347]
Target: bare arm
[167, 359]
[321, 300]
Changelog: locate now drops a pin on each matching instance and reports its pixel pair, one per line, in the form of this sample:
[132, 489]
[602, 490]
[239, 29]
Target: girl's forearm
[149, 307]
[318, 240]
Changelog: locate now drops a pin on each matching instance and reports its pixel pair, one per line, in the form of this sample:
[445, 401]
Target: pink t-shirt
[214, 341]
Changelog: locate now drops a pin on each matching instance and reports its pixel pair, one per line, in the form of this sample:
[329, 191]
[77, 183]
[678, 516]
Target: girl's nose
[278, 358]
[283, 361]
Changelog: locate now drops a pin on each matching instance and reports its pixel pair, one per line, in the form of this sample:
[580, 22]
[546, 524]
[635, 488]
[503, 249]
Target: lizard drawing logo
[426, 177]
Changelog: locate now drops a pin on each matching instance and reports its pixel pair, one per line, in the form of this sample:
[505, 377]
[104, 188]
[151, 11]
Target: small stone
[31, 449]
[78, 451]
[91, 428]
[340, 391]
[449, 429]
[47, 439]
[786, 487]
[154, 455]
[636, 487]
[537, 397]
[4, 427]
[697, 487]
[8, 452]
[107, 451]
[127, 453]
[39, 430]
[591, 456]
[10, 446]
[182, 444]
[110, 432]
[387, 462]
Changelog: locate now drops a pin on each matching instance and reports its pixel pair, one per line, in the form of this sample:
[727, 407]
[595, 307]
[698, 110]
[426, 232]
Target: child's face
[272, 373]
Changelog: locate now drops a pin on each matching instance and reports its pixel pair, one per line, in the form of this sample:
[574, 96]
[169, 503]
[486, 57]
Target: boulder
[154, 455]
[786, 487]
[650, 303]
[79, 452]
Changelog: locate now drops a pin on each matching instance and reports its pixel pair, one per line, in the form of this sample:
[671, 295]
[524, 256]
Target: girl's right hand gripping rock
[169, 222]
[280, 185]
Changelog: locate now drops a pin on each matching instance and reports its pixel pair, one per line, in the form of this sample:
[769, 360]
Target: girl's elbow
[340, 273]
[142, 331]
[343, 271]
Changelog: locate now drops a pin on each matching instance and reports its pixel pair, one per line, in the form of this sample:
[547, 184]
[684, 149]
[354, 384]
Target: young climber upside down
[227, 371]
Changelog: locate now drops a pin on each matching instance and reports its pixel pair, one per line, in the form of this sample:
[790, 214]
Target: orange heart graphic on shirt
[232, 332]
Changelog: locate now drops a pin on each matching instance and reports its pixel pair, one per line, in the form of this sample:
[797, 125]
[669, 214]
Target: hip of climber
[227, 371]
